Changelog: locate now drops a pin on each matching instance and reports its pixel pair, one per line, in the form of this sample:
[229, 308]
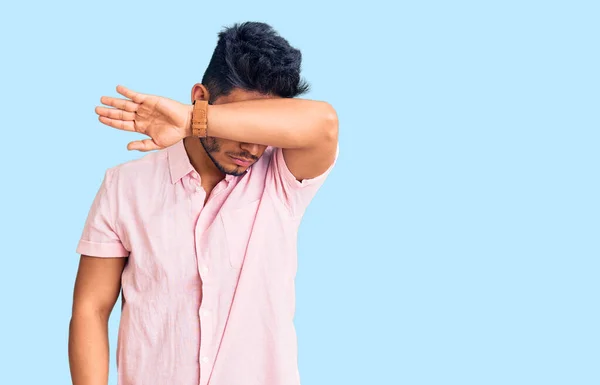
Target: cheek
[262, 150]
[228, 145]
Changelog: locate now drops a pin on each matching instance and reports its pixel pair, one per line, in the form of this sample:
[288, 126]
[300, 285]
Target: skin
[306, 130]
[212, 156]
[97, 288]
[241, 124]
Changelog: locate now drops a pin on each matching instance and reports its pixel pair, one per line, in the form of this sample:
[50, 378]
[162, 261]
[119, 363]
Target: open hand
[164, 120]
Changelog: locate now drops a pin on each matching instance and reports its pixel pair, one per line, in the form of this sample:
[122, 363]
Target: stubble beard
[211, 146]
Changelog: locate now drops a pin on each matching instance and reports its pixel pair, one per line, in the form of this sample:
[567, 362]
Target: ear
[199, 92]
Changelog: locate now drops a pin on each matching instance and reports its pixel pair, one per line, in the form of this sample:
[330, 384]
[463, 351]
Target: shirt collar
[179, 163]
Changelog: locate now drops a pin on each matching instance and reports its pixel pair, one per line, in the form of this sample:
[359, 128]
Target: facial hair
[211, 146]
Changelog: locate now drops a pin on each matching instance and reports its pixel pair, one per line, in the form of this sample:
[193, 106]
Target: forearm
[88, 349]
[282, 122]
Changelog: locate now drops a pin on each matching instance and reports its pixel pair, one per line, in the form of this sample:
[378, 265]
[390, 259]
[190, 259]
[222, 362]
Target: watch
[199, 118]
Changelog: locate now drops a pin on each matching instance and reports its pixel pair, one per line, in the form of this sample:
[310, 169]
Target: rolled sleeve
[98, 249]
[100, 237]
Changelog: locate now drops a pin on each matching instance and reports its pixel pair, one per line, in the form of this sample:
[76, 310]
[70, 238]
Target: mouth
[241, 162]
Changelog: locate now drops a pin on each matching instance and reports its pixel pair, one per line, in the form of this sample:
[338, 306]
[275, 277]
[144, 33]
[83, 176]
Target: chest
[171, 232]
[208, 188]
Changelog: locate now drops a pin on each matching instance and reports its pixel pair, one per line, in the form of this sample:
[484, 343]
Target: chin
[237, 172]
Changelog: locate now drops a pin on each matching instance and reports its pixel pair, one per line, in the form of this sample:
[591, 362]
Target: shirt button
[198, 189]
[204, 270]
[205, 313]
[205, 360]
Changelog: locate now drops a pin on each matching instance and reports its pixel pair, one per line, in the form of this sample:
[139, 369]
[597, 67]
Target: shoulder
[147, 169]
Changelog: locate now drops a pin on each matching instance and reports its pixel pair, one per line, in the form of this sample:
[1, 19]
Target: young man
[200, 236]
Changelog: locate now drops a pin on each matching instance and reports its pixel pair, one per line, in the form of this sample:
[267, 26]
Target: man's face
[232, 157]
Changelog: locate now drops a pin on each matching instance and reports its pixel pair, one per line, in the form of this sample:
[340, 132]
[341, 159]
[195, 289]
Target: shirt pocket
[238, 224]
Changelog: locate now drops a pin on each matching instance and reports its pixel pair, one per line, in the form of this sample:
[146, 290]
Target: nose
[250, 147]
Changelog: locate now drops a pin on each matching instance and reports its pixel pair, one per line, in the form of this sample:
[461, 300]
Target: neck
[201, 161]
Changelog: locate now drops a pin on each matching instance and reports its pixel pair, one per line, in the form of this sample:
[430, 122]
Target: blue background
[456, 241]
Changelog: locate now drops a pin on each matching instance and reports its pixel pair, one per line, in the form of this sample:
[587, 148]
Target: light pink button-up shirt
[208, 291]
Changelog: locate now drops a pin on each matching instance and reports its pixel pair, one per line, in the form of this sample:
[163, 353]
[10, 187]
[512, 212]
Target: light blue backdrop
[456, 242]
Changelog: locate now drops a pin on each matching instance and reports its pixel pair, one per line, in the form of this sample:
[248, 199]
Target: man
[200, 236]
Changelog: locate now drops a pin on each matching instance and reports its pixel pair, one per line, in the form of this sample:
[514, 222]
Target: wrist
[187, 130]
[200, 118]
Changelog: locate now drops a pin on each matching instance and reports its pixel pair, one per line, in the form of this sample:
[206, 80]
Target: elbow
[91, 311]
[323, 128]
[329, 128]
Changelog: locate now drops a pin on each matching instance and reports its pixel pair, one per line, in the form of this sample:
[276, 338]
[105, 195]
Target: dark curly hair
[252, 56]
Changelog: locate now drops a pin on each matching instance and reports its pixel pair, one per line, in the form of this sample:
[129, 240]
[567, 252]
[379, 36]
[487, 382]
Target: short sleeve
[99, 237]
[296, 195]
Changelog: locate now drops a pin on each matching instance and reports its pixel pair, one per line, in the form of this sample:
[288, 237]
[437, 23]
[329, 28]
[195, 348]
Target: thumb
[143, 145]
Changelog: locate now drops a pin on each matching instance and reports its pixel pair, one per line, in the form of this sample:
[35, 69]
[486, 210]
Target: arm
[306, 130]
[96, 291]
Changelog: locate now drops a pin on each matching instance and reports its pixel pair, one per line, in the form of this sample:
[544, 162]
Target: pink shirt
[208, 291]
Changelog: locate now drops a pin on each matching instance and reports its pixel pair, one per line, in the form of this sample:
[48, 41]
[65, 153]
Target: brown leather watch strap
[199, 118]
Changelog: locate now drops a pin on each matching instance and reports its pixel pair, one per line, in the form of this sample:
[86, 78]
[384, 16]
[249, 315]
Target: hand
[164, 120]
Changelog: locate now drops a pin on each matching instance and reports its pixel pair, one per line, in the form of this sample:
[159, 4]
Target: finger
[143, 145]
[135, 96]
[121, 104]
[117, 123]
[114, 113]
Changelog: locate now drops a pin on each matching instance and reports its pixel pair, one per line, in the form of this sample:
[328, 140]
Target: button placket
[196, 182]
[203, 269]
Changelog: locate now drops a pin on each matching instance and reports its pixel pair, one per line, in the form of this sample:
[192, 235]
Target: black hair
[254, 57]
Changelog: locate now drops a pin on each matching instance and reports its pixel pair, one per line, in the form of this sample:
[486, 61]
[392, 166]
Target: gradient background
[456, 241]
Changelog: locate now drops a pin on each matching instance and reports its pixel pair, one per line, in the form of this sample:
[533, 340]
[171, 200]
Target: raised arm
[306, 130]
[97, 288]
